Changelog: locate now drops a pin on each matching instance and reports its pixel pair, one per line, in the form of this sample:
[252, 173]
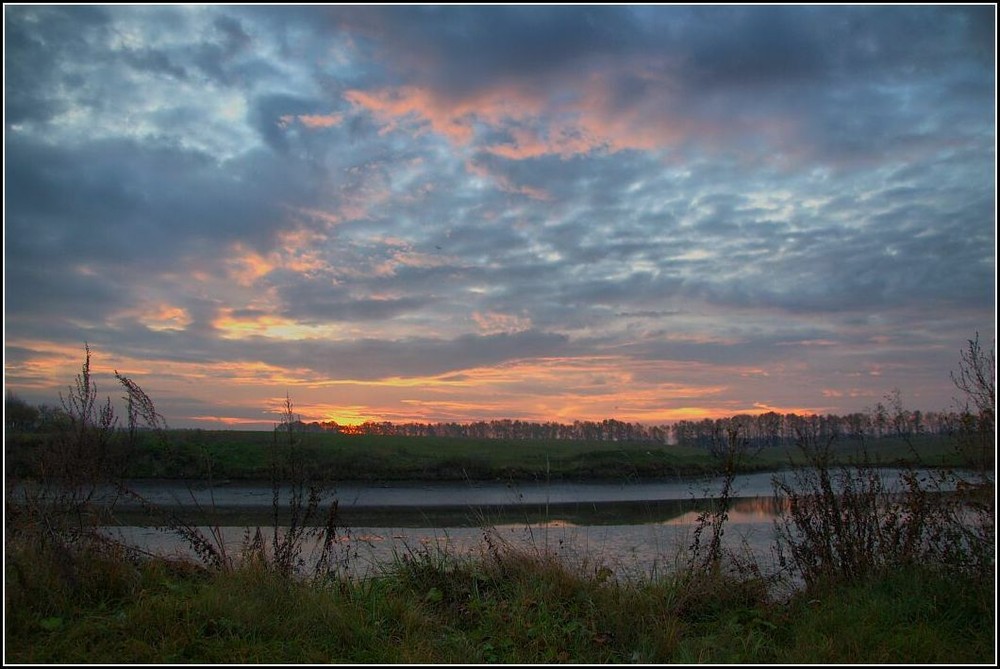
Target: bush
[847, 523]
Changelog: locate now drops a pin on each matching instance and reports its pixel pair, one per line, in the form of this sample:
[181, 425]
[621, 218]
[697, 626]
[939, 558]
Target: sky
[647, 213]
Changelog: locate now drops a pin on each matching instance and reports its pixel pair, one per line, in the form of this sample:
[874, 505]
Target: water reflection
[636, 530]
[655, 543]
[743, 510]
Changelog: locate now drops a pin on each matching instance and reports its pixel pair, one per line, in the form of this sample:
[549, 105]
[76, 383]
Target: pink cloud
[453, 118]
[311, 121]
[578, 116]
[586, 120]
[392, 105]
[320, 121]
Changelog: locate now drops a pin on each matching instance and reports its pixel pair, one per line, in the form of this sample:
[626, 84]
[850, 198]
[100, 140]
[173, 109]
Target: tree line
[764, 430]
[761, 430]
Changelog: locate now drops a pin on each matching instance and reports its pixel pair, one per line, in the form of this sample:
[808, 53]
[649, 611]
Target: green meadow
[247, 455]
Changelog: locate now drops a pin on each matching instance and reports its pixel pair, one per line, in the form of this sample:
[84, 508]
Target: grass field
[245, 455]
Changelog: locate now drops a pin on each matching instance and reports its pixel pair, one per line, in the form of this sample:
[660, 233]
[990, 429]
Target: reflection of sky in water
[630, 551]
[745, 510]
[658, 539]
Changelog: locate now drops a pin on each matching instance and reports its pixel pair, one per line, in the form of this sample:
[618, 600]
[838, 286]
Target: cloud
[323, 301]
[439, 42]
[315, 121]
[324, 195]
[758, 78]
[271, 116]
[492, 322]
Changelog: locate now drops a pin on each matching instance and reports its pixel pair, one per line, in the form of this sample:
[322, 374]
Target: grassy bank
[98, 607]
[238, 455]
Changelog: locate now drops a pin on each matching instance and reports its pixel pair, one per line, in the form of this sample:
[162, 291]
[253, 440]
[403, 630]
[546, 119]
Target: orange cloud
[311, 121]
[591, 120]
[246, 266]
[229, 421]
[393, 105]
[320, 121]
[231, 326]
[165, 317]
[451, 118]
[542, 389]
[47, 364]
[602, 387]
[298, 251]
[160, 317]
[580, 117]
[312, 411]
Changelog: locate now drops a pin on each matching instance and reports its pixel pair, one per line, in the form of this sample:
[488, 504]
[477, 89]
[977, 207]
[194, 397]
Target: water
[630, 551]
[637, 530]
[471, 493]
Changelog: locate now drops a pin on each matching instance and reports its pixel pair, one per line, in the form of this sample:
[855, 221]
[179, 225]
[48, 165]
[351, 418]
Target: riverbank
[503, 607]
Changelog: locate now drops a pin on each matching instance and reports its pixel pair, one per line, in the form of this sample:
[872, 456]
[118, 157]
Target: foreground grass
[247, 455]
[505, 607]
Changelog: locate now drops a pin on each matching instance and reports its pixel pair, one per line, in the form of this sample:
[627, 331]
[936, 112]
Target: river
[635, 529]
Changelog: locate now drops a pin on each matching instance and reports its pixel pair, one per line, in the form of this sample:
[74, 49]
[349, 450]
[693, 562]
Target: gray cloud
[35, 40]
[319, 300]
[378, 359]
[463, 48]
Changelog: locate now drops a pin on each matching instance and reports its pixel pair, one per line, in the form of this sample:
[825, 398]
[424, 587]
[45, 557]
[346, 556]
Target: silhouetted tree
[18, 415]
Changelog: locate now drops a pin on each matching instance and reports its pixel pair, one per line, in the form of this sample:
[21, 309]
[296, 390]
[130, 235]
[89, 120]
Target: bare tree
[976, 379]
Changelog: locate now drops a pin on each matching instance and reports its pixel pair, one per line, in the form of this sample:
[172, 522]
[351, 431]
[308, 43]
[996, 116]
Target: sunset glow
[423, 214]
